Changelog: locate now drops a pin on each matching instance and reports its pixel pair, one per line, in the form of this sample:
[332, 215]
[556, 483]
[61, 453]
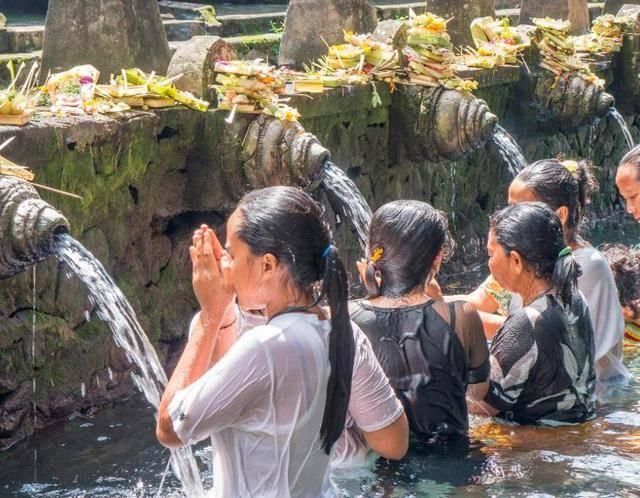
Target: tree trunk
[109, 34]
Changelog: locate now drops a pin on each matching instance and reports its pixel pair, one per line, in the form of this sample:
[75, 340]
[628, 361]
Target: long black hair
[287, 223]
[562, 183]
[534, 231]
[404, 239]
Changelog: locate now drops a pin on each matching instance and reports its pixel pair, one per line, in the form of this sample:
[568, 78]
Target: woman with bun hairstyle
[542, 358]
[435, 354]
[566, 187]
[274, 399]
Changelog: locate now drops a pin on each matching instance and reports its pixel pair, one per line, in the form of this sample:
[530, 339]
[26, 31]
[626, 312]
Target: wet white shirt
[599, 288]
[262, 405]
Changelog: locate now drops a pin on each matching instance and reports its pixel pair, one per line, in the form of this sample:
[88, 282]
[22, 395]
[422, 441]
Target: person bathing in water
[625, 265]
[628, 182]
[434, 353]
[274, 399]
[566, 187]
[542, 357]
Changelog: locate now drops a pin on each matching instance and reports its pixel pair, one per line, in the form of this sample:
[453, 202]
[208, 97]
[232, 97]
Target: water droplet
[102, 439]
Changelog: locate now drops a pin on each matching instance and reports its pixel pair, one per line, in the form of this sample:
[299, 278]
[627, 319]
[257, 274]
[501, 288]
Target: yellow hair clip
[377, 254]
[570, 166]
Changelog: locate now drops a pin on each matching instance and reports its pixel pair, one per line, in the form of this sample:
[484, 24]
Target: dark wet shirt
[429, 359]
[542, 363]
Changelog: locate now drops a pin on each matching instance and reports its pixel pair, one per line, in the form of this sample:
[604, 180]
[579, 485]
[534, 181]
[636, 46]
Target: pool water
[115, 453]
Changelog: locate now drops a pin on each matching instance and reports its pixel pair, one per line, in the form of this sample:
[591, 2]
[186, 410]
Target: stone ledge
[25, 38]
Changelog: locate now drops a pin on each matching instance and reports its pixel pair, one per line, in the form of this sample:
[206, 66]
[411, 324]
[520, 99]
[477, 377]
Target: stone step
[24, 38]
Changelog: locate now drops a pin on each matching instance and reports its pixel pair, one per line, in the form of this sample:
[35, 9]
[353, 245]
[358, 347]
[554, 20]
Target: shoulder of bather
[524, 319]
[590, 257]
[594, 265]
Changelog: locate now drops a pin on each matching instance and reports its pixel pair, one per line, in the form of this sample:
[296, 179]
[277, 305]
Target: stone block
[461, 13]
[195, 61]
[576, 11]
[4, 40]
[248, 24]
[183, 30]
[613, 6]
[181, 10]
[25, 38]
[109, 34]
[312, 24]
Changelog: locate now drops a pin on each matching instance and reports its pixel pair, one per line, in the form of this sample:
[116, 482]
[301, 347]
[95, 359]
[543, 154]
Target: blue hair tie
[326, 251]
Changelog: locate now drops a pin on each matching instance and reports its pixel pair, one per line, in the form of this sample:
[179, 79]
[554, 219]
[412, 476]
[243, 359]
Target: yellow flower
[570, 166]
[377, 254]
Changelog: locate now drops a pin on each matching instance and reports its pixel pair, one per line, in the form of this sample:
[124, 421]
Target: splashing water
[113, 308]
[613, 112]
[510, 151]
[342, 191]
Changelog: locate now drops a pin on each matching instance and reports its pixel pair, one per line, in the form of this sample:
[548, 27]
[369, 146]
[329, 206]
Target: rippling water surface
[115, 454]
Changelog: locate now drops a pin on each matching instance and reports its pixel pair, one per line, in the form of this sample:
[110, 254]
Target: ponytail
[405, 238]
[341, 348]
[565, 276]
[288, 223]
[534, 231]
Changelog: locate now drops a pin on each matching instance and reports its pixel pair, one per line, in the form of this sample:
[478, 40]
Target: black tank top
[425, 362]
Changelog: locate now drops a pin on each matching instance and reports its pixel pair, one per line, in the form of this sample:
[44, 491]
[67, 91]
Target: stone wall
[147, 179]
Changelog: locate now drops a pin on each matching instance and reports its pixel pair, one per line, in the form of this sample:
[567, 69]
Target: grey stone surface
[195, 61]
[183, 30]
[461, 13]
[312, 24]
[613, 6]
[25, 38]
[110, 34]
[576, 11]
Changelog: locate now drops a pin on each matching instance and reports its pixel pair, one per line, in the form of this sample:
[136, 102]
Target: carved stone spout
[572, 102]
[281, 153]
[439, 124]
[27, 226]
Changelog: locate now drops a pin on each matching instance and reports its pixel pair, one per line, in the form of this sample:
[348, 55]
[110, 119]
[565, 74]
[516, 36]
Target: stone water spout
[443, 125]
[281, 153]
[27, 226]
[572, 102]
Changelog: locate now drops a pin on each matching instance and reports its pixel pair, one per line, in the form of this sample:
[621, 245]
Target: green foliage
[208, 15]
[276, 27]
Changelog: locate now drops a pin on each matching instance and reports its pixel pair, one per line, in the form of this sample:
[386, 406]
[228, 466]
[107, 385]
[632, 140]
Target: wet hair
[625, 266]
[553, 183]
[287, 223]
[405, 237]
[632, 159]
[534, 231]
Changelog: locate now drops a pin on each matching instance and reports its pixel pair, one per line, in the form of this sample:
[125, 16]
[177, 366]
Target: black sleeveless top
[425, 362]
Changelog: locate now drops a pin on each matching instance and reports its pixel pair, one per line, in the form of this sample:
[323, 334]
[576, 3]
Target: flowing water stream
[624, 128]
[343, 192]
[115, 310]
[510, 151]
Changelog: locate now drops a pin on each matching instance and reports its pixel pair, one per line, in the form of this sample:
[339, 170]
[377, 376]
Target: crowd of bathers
[289, 377]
